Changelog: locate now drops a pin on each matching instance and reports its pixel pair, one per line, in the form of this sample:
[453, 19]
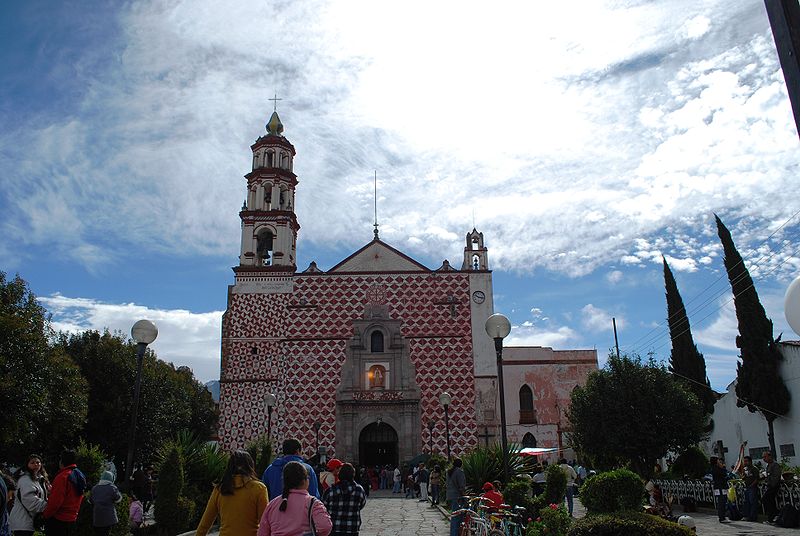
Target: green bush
[437, 459]
[91, 461]
[260, 450]
[554, 490]
[516, 492]
[171, 508]
[553, 520]
[613, 491]
[692, 462]
[626, 524]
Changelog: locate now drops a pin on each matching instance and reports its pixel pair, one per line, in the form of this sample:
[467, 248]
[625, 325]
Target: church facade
[359, 354]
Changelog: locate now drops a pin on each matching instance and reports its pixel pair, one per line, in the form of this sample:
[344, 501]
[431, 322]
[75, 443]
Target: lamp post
[498, 327]
[431, 424]
[143, 332]
[317, 426]
[270, 400]
[444, 400]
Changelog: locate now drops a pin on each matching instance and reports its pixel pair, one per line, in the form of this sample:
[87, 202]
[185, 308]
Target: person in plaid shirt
[344, 501]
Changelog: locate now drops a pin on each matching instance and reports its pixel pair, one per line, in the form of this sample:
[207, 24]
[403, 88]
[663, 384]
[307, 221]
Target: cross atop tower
[275, 100]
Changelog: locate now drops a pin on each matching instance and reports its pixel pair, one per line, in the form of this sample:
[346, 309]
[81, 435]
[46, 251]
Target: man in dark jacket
[750, 477]
[344, 501]
[719, 477]
[773, 486]
[273, 475]
[65, 497]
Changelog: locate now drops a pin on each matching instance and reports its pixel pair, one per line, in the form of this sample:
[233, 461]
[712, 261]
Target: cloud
[528, 334]
[596, 319]
[184, 338]
[636, 124]
[614, 277]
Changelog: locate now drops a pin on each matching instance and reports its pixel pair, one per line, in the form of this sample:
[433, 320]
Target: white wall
[734, 425]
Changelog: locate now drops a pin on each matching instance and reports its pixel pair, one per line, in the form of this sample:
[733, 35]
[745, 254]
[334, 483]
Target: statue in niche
[377, 377]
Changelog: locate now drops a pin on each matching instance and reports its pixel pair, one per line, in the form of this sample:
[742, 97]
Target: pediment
[378, 256]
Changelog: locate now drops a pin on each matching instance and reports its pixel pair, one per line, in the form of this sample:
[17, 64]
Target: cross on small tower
[485, 435]
[275, 100]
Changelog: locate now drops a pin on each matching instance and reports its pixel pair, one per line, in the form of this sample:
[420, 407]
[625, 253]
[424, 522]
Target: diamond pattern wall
[293, 345]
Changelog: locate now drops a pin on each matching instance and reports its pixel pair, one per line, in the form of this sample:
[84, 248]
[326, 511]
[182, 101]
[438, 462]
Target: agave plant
[485, 464]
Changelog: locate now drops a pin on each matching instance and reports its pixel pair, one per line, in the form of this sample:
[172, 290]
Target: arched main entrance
[377, 445]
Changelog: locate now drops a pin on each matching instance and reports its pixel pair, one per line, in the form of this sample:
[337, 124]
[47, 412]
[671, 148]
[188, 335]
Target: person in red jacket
[494, 496]
[65, 497]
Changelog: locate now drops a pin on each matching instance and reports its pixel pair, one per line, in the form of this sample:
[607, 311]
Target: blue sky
[585, 141]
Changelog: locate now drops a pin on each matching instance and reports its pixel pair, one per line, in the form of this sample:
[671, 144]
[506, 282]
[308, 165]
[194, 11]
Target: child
[136, 514]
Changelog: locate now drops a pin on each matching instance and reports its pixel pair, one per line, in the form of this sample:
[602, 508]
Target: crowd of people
[31, 502]
[289, 498]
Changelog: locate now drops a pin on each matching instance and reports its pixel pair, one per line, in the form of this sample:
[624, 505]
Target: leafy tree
[759, 386]
[633, 413]
[41, 391]
[685, 360]
[171, 399]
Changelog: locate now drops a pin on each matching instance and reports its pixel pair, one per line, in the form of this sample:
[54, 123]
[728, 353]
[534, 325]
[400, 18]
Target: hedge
[613, 491]
[626, 524]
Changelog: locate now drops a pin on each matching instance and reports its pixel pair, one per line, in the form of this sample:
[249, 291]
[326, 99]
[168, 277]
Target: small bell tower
[269, 223]
[475, 253]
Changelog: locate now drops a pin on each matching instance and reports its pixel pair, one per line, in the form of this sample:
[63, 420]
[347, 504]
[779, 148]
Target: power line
[650, 339]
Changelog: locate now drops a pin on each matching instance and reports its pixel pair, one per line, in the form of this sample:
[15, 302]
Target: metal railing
[702, 492]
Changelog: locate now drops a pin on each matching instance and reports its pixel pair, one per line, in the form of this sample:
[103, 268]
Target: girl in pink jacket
[292, 513]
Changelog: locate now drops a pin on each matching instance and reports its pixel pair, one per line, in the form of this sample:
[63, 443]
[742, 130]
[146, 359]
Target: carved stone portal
[377, 402]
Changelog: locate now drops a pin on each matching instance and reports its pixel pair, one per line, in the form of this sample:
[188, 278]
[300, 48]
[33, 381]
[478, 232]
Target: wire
[755, 263]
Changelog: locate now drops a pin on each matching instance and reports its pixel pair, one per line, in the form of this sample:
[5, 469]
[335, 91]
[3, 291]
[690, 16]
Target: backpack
[788, 517]
[78, 481]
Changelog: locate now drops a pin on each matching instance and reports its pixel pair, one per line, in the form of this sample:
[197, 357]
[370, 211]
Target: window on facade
[528, 441]
[270, 158]
[527, 413]
[376, 341]
[787, 450]
[756, 452]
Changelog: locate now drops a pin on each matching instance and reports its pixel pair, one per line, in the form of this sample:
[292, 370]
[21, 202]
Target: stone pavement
[392, 515]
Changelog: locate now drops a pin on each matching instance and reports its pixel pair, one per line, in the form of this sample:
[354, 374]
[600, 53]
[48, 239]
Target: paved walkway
[388, 515]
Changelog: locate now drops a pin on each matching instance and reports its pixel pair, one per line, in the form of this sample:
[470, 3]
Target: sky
[584, 139]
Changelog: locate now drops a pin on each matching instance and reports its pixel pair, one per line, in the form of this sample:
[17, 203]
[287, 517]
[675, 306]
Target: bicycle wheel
[496, 532]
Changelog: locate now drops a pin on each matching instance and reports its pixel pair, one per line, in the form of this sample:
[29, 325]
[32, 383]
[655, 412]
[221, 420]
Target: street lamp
[444, 400]
[270, 400]
[431, 424]
[317, 426]
[498, 327]
[143, 332]
[791, 305]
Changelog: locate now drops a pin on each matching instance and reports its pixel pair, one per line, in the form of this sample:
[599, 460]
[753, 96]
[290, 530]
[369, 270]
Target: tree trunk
[771, 438]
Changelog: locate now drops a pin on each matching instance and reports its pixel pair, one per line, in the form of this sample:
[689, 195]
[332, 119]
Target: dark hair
[347, 472]
[748, 458]
[562, 460]
[42, 474]
[240, 463]
[294, 474]
[9, 481]
[68, 457]
[291, 446]
[456, 463]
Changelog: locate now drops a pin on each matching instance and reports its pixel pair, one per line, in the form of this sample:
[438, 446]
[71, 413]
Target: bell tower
[269, 224]
[475, 253]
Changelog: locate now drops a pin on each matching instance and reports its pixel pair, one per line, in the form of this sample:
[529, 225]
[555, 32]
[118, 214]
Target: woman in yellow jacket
[238, 500]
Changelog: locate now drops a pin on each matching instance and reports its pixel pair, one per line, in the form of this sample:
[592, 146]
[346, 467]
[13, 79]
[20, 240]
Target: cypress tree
[759, 386]
[685, 361]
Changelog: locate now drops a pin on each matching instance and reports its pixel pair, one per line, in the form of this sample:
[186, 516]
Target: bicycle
[474, 522]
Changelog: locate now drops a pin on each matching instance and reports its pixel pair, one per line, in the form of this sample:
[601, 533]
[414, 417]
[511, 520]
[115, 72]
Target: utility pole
[784, 18]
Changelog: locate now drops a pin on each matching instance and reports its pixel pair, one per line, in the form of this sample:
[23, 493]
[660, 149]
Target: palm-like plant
[485, 464]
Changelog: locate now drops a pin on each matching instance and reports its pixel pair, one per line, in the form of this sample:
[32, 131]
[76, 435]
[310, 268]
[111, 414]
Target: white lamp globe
[498, 326]
[270, 400]
[144, 331]
[445, 399]
[791, 305]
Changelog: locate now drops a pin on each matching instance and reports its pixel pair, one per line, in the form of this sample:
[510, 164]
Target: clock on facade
[478, 296]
